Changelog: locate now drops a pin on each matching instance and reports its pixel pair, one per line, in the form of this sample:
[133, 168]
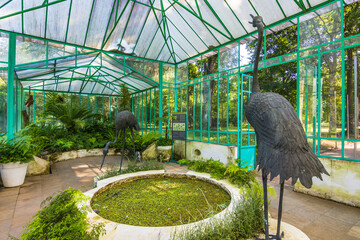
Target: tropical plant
[15, 150]
[71, 115]
[63, 217]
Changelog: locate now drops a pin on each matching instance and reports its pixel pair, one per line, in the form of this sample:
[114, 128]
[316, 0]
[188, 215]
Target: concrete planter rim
[165, 231]
[164, 147]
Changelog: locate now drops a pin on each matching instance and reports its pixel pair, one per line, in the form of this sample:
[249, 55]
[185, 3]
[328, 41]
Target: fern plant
[15, 150]
[70, 115]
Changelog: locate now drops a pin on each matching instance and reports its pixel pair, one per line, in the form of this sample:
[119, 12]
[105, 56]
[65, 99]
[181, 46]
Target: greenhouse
[166, 60]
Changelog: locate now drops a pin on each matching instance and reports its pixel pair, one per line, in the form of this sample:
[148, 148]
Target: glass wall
[312, 60]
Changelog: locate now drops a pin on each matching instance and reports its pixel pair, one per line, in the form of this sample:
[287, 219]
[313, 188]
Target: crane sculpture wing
[282, 146]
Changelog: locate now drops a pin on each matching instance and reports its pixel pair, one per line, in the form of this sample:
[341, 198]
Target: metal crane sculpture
[123, 120]
[282, 146]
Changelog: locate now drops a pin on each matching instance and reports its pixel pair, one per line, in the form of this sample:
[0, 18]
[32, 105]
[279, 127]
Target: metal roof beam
[300, 4]
[45, 4]
[201, 19]
[105, 39]
[163, 34]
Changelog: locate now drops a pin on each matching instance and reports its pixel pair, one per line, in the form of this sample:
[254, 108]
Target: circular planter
[164, 153]
[122, 231]
[13, 174]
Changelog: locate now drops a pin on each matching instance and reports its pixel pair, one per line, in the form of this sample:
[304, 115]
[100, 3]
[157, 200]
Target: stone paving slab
[318, 218]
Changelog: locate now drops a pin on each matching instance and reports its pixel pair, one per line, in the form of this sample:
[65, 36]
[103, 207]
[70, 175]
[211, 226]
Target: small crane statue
[282, 145]
[123, 120]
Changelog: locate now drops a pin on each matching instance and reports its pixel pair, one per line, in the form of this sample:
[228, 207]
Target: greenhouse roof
[89, 73]
[163, 30]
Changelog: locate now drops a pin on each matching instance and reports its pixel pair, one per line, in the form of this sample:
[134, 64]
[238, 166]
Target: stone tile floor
[319, 219]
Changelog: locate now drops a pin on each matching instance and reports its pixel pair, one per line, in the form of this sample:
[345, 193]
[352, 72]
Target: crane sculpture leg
[123, 120]
[278, 235]
[132, 134]
[122, 152]
[266, 215]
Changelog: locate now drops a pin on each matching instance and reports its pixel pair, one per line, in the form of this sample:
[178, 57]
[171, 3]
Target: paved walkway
[318, 218]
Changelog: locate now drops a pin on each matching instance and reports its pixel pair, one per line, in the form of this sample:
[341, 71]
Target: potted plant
[14, 158]
[163, 147]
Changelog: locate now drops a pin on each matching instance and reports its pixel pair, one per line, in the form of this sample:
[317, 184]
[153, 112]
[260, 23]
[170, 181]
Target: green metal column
[343, 84]
[10, 87]
[34, 116]
[176, 90]
[160, 97]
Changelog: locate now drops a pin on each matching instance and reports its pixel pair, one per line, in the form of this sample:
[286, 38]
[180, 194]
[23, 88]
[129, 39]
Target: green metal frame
[157, 90]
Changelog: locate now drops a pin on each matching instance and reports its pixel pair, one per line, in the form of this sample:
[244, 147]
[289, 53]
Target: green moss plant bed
[160, 201]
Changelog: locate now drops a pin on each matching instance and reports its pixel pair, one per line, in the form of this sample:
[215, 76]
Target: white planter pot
[164, 153]
[13, 174]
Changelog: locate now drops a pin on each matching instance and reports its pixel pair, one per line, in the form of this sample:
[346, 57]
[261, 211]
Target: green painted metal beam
[10, 110]
[126, 25]
[68, 21]
[202, 20]
[162, 32]
[141, 31]
[218, 18]
[106, 39]
[300, 4]
[88, 25]
[30, 9]
[84, 47]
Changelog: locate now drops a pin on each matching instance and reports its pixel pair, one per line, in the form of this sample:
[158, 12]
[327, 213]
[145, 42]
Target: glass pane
[194, 69]
[322, 26]
[223, 86]
[308, 95]
[210, 63]
[168, 73]
[281, 42]
[152, 70]
[30, 50]
[3, 100]
[182, 72]
[214, 105]
[330, 148]
[352, 150]
[229, 57]
[352, 93]
[233, 102]
[190, 107]
[4, 45]
[331, 103]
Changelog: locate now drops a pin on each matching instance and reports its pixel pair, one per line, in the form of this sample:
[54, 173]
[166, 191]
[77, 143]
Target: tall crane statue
[282, 146]
[123, 120]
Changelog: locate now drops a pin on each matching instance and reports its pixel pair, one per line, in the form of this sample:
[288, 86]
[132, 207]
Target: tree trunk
[350, 91]
[332, 106]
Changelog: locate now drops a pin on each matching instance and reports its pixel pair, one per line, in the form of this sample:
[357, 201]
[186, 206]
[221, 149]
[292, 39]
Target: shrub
[95, 134]
[235, 173]
[243, 222]
[164, 142]
[60, 218]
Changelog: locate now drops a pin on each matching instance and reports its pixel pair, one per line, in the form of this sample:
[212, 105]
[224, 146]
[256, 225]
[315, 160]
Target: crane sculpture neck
[255, 86]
